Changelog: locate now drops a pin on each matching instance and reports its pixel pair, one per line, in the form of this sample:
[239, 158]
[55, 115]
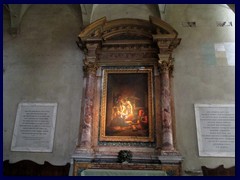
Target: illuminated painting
[126, 107]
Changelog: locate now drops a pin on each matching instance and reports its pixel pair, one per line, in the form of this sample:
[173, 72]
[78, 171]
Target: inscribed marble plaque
[215, 129]
[34, 127]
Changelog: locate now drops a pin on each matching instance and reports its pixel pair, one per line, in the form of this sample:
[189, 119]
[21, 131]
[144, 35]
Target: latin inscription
[34, 127]
[216, 130]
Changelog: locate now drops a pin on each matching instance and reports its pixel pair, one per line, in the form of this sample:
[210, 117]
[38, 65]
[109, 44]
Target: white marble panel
[215, 129]
[34, 127]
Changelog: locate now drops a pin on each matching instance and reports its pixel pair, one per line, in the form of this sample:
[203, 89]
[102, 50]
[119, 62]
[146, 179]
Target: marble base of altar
[169, 169]
[114, 172]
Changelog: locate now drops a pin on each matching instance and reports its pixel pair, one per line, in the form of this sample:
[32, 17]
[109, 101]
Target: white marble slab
[215, 129]
[34, 127]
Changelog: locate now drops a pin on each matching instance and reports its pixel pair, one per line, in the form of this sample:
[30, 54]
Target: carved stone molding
[127, 46]
[173, 158]
[128, 56]
[166, 44]
[132, 27]
[124, 43]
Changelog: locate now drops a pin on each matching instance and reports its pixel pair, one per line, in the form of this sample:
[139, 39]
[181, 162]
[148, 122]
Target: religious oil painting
[126, 105]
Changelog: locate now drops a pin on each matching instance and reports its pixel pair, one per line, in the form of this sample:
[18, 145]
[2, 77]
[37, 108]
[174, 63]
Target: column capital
[165, 62]
[90, 67]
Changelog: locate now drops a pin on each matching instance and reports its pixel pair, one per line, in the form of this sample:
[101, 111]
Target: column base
[169, 153]
[83, 153]
[171, 157]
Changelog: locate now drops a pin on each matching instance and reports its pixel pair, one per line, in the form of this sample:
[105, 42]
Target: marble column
[90, 68]
[168, 152]
[166, 44]
[166, 66]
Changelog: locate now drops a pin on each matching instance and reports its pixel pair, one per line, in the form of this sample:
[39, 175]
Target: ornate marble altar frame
[127, 105]
[125, 47]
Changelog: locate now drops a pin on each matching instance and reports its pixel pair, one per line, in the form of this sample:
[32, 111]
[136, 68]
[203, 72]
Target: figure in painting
[125, 116]
[122, 113]
[125, 109]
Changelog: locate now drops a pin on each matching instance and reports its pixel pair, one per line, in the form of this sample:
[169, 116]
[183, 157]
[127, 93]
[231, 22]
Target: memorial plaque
[215, 129]
[34, 127]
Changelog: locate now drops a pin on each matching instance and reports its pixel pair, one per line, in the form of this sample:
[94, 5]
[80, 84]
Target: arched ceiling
[86, 11]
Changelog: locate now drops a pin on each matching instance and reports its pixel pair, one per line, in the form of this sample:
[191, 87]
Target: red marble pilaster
[167, 134]
[90, 68]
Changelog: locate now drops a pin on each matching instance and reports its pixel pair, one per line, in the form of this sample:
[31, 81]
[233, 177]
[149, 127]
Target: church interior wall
[199, 75]
[43, 64]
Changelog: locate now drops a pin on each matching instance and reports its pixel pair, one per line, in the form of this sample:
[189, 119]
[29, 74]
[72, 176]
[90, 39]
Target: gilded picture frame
[127, 105]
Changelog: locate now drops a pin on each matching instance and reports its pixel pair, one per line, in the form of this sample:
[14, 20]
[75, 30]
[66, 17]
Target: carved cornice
[129, 47]
[166, 41]
[128, 40]
[127, 56]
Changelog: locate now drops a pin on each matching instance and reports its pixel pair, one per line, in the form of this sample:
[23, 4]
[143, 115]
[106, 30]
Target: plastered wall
[43, 64]
[200, 76]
